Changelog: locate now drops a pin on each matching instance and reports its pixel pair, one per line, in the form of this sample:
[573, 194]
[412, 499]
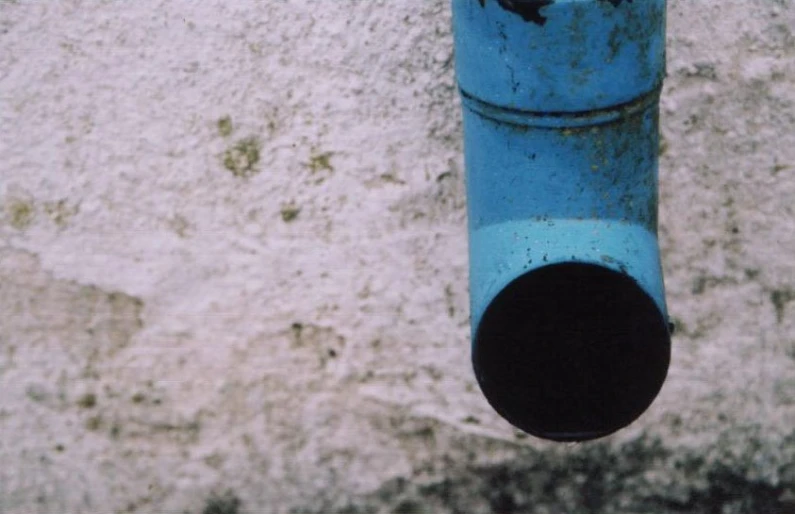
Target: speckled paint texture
[233, 269]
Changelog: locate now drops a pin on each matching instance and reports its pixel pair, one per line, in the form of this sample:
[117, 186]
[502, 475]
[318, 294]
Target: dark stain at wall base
[227, 503]
[529, 10]
[592, 478]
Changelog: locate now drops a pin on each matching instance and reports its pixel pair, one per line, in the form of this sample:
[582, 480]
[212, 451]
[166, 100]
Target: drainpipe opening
[571, 351]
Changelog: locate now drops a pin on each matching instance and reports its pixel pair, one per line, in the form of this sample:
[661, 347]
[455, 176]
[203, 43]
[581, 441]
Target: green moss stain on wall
[61, 212]
[242, 158]
[20, 213]
[225, 126]
[290, 212]
[320, 162]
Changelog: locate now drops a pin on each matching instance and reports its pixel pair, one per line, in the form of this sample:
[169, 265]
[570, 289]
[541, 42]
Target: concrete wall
[233, 269]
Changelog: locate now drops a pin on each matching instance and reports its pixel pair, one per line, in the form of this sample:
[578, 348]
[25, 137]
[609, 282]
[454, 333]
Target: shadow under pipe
[571, 339]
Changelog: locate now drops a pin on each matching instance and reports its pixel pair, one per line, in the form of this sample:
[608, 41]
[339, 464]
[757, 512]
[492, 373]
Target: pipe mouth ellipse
[571, 351]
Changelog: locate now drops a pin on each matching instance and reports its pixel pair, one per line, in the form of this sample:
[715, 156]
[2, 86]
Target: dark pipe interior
[571, 351]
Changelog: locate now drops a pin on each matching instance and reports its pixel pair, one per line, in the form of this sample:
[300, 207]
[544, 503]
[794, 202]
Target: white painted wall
[269, 313]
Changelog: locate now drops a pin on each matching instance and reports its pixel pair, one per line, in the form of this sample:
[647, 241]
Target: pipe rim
[585, 385]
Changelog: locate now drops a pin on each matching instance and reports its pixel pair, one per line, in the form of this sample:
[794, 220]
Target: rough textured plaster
[233, 269]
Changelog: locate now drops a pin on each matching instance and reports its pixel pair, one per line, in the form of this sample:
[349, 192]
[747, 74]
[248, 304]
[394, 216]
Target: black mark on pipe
[616, 3]
[529, 10]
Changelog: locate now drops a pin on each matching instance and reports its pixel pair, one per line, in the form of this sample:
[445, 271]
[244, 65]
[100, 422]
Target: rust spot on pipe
[529, 10]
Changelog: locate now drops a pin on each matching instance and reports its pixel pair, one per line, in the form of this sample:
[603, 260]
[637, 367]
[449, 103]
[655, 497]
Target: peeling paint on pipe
[570, 329]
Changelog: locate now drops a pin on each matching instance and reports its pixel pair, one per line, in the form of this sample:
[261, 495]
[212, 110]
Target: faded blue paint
[500, 252]
[561, 138]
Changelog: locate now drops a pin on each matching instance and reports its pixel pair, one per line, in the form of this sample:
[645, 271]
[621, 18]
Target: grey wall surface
[233, 269]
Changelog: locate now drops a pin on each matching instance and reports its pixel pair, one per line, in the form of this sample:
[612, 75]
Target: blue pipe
[570, 333]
